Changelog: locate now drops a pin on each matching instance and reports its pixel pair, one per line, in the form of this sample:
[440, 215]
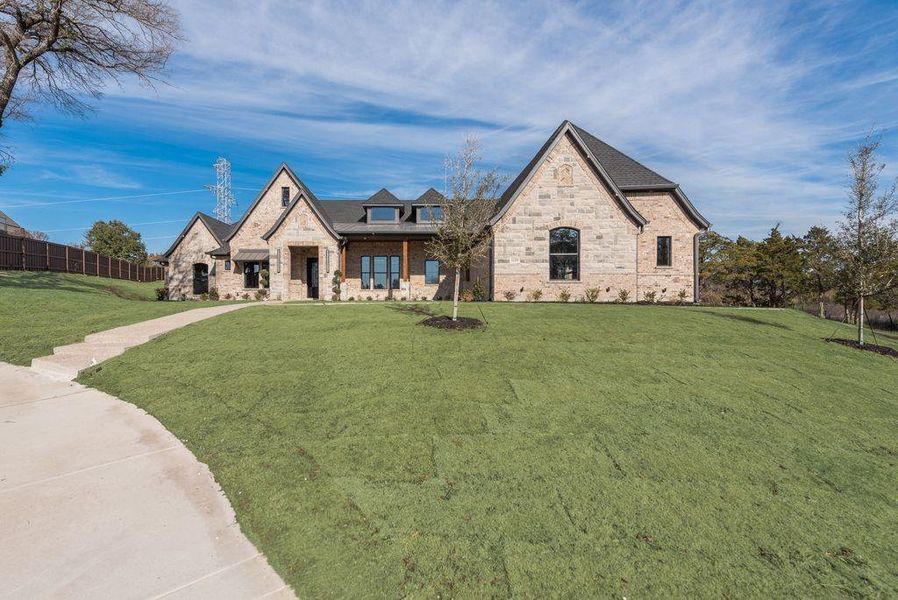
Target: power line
[106, 199]
[129, 224]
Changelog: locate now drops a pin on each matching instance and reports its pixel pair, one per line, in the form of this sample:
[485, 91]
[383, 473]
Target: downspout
[638, 235]
[695, 271]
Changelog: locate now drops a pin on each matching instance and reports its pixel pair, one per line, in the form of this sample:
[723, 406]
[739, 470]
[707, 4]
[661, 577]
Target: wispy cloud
[749, 106]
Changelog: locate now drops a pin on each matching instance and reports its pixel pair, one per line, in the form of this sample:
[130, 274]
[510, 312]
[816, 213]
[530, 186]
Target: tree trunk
[821, 312]
[860, 321]
[455, 294]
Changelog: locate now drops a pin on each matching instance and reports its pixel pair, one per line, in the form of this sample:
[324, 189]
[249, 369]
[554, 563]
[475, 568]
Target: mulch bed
[444, 322]
[884, 350]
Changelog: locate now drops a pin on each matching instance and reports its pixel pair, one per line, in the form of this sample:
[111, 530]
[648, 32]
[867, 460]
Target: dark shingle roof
[431, 198]
[623, 170]
[219, 230]
[384, 197]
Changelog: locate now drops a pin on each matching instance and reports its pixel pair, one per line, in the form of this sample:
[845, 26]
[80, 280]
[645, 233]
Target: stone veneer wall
[564, 192]
[193, 249]
[302, 230]
[665, 217]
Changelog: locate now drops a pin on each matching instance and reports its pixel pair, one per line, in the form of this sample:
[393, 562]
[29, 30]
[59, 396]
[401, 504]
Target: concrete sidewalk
[67, 361]
[99, 500]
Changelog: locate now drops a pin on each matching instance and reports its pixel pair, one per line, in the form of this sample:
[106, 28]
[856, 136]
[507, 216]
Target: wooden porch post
[405, 259]
[343, 262]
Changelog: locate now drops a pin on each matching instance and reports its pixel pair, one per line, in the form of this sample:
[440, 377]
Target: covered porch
[303, 272]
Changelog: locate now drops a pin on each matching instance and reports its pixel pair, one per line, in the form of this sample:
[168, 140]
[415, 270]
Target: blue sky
[751, 107]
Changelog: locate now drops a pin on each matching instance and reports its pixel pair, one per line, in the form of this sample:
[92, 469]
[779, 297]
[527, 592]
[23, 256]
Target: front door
[312, 277]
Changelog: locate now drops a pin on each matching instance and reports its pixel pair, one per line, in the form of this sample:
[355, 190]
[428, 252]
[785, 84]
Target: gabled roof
[304, 191]
[383, 197]
[429, 198]
[8, 220]
[219, 230]
[618, 171]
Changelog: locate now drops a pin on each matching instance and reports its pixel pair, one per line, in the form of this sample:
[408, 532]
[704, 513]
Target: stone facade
[194, 248]
[665, 218]
[564, 192]
[562, 188]
[300, 236]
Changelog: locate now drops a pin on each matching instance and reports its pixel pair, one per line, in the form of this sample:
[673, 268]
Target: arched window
[564, 253]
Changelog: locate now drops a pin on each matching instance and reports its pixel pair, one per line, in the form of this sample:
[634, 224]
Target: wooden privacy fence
[25, 254]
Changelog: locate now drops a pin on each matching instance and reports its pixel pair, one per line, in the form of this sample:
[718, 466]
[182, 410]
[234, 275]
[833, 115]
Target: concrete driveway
[98, 500]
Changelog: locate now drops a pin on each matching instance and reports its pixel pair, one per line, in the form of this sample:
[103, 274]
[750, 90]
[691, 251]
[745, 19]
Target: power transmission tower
[224, 199]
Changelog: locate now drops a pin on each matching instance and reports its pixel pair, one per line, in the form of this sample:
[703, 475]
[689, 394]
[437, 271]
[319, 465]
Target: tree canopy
[115, 239]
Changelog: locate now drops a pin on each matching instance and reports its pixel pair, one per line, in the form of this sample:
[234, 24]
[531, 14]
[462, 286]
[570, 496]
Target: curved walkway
[99, 500]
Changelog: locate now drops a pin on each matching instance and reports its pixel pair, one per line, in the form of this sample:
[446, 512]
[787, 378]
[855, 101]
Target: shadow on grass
[43, 280]
[745, 319]
[412, 309]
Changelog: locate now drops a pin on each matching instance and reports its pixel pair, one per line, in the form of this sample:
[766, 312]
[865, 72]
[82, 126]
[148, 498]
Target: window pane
[564, 240]
[285, 196]
[366, 272]
[431, 272]
[394, 272]
[664, 251]
[382, 213]
[563, 266]
[380, 272]
[430, 213]
[251, 275]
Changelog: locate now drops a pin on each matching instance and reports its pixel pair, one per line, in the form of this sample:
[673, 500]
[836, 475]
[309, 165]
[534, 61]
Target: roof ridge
[586, 134]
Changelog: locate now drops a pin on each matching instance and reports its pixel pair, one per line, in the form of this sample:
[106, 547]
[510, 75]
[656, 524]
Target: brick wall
[193, 249]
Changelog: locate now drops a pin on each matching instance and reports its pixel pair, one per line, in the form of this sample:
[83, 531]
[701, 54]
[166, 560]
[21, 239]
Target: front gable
[301, 221]
[264, 211]
[192, 246]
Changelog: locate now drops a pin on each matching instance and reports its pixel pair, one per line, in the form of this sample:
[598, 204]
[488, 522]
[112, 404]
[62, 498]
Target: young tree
[117, 240]
[820, 252]
[55, 50]
[867, 234]
[463, 235]
[712, 251]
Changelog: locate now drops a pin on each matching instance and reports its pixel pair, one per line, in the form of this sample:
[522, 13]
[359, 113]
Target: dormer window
[285, 196]
[429, 214]
[383, 214]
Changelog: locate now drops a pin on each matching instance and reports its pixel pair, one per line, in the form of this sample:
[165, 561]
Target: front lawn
[565, 450]
[41, 310]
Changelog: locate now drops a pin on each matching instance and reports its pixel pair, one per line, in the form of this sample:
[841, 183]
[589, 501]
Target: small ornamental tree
[463, 235]
[867, 233]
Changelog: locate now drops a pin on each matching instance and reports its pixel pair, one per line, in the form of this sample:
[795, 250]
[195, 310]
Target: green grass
[565, 450]
[41, 310]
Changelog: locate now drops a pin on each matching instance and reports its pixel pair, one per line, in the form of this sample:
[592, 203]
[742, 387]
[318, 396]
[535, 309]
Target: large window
[431, 272]
[285, 196]
[427, 214]
[251, 274]
[664, 254]
[564, 253]
[394, 272]
[366, 272]
[382, 213]
[200, 278]
[380, 272]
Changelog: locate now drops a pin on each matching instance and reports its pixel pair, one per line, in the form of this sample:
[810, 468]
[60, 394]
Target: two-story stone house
[580, 215]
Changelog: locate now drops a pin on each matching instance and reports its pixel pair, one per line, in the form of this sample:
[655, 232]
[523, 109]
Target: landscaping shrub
[213, 294]
[681, 297]
[369, 298]
[564, 295]
[228, 296]
[162, 293]
[336, 284]
[623, 296]
[246, 295]
[651, 297]
[204, 296]
[466, 296]
[264, 274]
[510, 295]
[592, 295]
[261, 295]
[478, 291]
[351, 299]
[534, 295]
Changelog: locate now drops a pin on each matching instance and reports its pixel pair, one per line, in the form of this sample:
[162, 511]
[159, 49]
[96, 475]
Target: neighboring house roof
[219, 230]
[6, 223]
[617, 170]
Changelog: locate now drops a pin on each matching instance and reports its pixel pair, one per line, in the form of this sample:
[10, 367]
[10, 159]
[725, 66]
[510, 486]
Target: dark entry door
[312, 277]
[200, 278]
